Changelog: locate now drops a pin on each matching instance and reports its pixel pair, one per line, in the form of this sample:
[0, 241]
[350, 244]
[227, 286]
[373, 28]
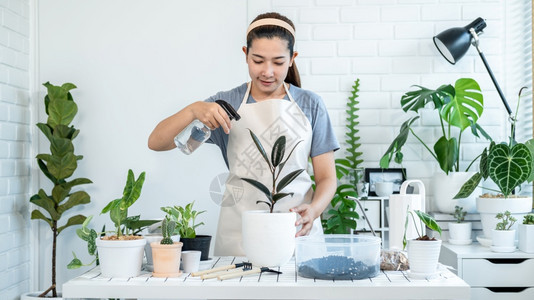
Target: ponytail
[293, 75]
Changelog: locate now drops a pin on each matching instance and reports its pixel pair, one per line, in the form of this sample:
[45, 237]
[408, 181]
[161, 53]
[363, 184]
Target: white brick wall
[388, 45]
[15, 161]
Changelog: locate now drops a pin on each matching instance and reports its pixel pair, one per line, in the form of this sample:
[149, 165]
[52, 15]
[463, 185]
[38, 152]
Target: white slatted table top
[387, 285]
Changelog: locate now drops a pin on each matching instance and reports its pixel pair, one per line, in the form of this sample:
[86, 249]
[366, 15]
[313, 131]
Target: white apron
[268, 119]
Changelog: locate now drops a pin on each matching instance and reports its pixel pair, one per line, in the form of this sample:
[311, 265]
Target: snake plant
[508, 165]
[460, 106]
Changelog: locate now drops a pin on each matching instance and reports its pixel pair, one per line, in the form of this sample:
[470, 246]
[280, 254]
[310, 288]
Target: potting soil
[337, 267]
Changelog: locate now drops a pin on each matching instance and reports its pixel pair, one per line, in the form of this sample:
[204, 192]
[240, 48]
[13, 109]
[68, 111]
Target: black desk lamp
[453, 43]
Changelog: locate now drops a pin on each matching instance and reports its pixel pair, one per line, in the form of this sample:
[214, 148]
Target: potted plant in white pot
[423, 252]
[269, 236]
[458, 108]
[58, 167]
[503, 237]
[185, 218]
[460, 231]
[166, 253]
[526, 234]
[508, 166]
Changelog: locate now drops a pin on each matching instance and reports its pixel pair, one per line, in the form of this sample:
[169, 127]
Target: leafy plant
[118, 208]
[460, 106]
[528, 219]
[507, 221]
[425, 219]
[276, 164]
[508, 165]
[342, 215]
[167, 230]
[89, 235]
[459, 214]
[57, 166]
[185, 218]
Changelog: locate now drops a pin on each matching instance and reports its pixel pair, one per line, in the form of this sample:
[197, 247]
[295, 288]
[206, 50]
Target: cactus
[528, 219]
[167, 229]
[459, 215]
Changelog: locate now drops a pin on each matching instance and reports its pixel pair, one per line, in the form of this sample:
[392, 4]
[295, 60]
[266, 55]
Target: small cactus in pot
[167, 230]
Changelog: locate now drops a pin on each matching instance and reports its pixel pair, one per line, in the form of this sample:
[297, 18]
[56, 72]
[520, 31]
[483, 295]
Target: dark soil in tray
[337, 267]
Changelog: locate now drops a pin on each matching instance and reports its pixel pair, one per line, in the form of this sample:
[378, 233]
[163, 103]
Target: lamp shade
[453, 43]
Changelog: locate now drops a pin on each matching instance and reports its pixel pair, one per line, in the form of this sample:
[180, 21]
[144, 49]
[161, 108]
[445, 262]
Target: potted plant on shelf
[460, 231]
[457, 108]
[58, 167]
[185, 218]
[121, 254]
[166, 253]
[423, 252]
[503, 237]
[526, 234]
[268, 237]
[508, 166]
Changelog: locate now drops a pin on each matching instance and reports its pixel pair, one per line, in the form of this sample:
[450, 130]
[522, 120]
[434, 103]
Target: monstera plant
[58, 166]
[460, 106]
[276, 164]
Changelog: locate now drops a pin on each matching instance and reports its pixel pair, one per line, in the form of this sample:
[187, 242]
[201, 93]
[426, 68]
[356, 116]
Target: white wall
[136, 62]
[15, 148]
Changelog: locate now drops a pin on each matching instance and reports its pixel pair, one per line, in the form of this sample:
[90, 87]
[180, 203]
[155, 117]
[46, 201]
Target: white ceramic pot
[503, 238]
[489, 207]
[460, 231]
[35, 296]
[526, 238]
[268, 238]
[445, 187]
[423, 257]
[383, 189]
[120, 258]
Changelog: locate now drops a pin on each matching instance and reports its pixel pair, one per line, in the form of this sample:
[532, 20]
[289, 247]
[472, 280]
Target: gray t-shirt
[323, 137]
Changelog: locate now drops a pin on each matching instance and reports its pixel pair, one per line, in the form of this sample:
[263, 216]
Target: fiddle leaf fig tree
[460, 106]
[276, 164]
[58, 166]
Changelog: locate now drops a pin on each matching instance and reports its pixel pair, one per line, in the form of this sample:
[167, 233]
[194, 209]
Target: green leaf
[45, 171]
[466, 107]
[111, 205]
[288, 179]
[260, 148]
[428, 221]
[77, 181]
[260, 186]
[68, 86]
[278, 151]
[77, 198]
[39, 215]
[509, 168]
[132, 190]
[55, 92]
[48, 204]
[530, 146]
[46, 130]
[398, 143]
[76, 220]
[415, 100]
[469, 186]
[279, 196]
[447, 153]
[66, 132]
[61, 112]
[59, 193]
[60, 167]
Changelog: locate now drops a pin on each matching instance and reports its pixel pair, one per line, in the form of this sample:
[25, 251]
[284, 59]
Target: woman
[271, 105]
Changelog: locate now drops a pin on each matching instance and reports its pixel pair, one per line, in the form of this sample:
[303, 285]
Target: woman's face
[268, 63]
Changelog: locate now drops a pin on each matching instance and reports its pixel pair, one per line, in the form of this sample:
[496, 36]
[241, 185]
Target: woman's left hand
[307, 216]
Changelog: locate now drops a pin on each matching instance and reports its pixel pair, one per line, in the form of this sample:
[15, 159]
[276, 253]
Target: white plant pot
[526, 238]
[490, 207]
[35, 296]
[121, 259]
[445, 187]
[423, 257]
[268, 238]
[503, 238]
[460, 232]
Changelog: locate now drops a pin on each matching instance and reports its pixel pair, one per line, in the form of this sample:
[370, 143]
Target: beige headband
[272, 21]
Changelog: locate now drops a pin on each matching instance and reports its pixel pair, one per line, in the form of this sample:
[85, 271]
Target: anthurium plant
[459, 106]
[276, 163]
[508, 165]
[58, 166]
[425, 219]
[185, 219]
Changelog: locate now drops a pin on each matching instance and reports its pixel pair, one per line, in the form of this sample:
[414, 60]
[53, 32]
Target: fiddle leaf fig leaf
[278, 152]
[466, 106]
[76, 220]
[61, 112]
[447, 153]
[77, 198]
[509, 168]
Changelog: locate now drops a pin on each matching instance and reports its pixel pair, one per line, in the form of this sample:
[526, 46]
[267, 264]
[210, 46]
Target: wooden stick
[216, 274]
[239, 274]
[218, 269]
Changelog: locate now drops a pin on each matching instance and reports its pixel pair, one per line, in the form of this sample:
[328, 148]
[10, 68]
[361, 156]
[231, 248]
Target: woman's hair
[271, 31]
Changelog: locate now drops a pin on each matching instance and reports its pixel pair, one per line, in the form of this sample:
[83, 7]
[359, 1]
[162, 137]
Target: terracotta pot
[166, 259]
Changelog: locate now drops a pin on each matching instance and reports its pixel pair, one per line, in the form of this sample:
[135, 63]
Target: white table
[387, 285]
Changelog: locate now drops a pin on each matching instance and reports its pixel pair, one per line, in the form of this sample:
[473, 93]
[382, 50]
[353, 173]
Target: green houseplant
[457, 108]
[166, 253]
[58, 166]
[185, 218]
[423, 252]
[526, 234]
[460, 231]
[503, 236]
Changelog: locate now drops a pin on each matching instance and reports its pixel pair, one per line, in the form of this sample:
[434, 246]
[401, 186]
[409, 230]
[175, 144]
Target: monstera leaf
[466, 106]
[509, 167]
[415, 100]
[397, 144]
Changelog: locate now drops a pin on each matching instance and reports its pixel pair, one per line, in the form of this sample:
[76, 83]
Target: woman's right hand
[212, 115]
